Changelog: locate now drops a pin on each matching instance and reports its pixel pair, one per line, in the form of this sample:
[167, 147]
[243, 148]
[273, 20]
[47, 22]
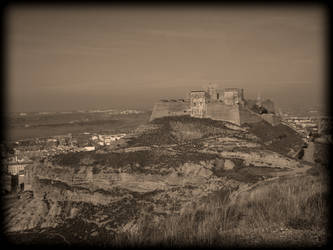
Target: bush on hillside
[282, 138]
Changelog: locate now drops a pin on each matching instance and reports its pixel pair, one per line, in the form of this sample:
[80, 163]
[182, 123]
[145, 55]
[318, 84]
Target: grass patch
[295, 203]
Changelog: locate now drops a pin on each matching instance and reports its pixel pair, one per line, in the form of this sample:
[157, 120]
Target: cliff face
[166, 170]
[60, 194]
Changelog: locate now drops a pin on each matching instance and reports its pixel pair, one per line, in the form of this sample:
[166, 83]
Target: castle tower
[212, 92]
[232, 96]
[198, 103]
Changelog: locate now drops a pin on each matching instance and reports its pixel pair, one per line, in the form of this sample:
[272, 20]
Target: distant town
[108, 111]
[19, 154]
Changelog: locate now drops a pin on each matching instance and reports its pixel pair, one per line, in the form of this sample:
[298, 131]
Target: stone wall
[248, 116]
[198, 103]
[170, 108]
[222, 112]
[231, 96]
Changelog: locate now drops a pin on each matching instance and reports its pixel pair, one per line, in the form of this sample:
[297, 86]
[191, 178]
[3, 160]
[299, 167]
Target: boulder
[192, 169]
[229, 165]
[93, 234]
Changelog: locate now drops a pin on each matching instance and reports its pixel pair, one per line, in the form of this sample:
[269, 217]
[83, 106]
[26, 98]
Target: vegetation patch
[188, 119]
[136, 162]
[281, 137]
[295, 203]
[160, 136]
[321, 153]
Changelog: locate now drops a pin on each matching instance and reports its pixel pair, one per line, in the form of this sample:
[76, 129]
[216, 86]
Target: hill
[176, 181]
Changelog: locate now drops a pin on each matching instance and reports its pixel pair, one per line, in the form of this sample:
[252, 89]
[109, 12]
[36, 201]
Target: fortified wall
[248, 116]
[226, 104]
[170, 108]
[222, 112]
[271, 118]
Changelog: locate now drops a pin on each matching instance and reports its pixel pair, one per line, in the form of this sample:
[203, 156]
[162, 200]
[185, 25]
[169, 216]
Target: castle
[226, 104]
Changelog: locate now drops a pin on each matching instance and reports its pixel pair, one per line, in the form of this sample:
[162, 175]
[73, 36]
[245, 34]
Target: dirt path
[309, 152]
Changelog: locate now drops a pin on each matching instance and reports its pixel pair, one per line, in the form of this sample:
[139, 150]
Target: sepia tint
[166, 126]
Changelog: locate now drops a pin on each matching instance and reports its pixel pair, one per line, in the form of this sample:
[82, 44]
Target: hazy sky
[67, 58]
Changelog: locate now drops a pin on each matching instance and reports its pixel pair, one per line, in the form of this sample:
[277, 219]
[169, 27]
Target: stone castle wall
[225, 105]
[271, 118]
[215, 111]
[248, 116]
[170, 108]
[235, 114]
[222, 112]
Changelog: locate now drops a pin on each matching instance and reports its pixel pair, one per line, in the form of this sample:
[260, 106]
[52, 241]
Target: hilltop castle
[226, 104]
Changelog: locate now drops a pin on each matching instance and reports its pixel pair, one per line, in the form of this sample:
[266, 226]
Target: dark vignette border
[146, 4]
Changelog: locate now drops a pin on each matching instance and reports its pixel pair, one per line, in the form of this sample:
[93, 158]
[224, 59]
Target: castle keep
[226, 104]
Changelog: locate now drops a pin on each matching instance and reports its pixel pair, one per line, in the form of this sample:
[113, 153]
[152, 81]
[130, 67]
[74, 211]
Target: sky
[68, 58]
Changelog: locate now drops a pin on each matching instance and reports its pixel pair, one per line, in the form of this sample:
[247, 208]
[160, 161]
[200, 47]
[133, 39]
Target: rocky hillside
[168, 168]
